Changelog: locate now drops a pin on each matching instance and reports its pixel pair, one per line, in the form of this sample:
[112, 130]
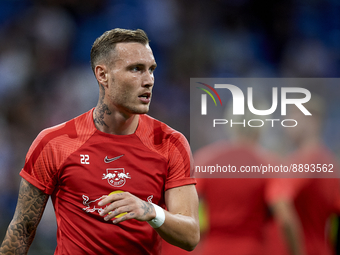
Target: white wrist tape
[160, 217]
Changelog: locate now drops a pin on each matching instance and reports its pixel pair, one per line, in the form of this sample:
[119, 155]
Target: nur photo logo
[204, 97]
[279, 97]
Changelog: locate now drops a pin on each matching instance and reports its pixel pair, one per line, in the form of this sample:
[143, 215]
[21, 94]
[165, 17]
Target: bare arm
[21, 231]
[290, 225]
[181, 226]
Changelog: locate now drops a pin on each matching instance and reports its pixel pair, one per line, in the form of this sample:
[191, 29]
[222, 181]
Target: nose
[148, 80]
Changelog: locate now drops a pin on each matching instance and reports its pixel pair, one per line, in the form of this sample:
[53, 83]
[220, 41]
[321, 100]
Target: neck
[114, 122]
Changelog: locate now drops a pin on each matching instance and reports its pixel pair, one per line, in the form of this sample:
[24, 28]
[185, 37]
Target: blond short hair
[106, 43]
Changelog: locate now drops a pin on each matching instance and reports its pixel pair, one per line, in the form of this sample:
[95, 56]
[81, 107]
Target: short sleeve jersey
[236, 207]
[77, 165]
[315, 200]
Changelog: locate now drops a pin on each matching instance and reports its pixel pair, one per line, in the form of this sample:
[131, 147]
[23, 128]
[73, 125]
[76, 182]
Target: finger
[128, 216]
[118, 212]
[110, 199]
[113, 206]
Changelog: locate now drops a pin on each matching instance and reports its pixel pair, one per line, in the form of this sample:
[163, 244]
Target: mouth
[145, 97]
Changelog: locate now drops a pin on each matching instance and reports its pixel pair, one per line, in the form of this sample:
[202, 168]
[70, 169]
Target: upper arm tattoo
[28, 213]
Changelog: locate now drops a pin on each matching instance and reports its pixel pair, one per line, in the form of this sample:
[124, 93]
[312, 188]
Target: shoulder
[159, 136]
[72, 131]
[158, 129]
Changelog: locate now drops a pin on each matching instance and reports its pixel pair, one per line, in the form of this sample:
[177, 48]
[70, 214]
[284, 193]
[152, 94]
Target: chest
[101, 167]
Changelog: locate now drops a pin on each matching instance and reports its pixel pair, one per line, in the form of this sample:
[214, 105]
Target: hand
[125, 202]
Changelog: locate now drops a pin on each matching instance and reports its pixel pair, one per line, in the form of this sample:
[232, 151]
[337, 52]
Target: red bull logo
[116, 177]
[92, 205]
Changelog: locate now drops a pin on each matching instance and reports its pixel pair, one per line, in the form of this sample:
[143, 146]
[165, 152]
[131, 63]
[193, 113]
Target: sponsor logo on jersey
[109, 160]
[92, 205]
[116, 177]
[150, 198]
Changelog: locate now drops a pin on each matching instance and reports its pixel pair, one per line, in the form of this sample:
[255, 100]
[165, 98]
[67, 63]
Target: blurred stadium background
[46, 78]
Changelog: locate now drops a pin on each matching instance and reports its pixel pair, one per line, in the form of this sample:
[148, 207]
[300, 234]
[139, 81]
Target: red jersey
[237, 210]
[77, 165]
[315, 199]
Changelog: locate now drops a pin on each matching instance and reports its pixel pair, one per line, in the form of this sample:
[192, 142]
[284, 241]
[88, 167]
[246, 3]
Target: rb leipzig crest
[116, 177]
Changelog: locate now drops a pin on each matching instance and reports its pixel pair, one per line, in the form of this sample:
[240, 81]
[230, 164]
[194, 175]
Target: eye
[152, 69]
[135, 69]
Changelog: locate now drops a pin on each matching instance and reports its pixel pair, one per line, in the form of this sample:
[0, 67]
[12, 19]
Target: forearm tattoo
[29, 210]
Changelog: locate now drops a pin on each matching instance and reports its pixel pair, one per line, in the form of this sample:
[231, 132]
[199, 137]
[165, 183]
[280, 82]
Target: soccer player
[237, 212]
[303, 206]
[111, 170]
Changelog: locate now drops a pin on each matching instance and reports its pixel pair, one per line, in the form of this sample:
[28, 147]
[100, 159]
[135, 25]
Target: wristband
[160, 217]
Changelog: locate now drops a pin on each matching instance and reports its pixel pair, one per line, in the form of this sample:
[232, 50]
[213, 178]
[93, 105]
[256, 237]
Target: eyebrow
[142, 64]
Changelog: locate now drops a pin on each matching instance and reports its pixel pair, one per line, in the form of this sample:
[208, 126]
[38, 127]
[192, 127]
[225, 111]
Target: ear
[101, 74]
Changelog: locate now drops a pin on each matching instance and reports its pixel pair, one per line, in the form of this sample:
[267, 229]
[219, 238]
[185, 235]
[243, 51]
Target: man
[302, 206]
[112, 170]
[237, 212]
